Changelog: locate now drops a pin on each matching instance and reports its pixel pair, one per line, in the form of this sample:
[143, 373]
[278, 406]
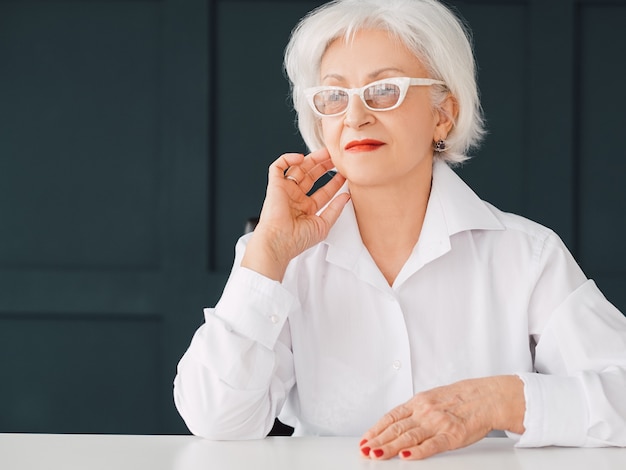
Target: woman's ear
[447, 113]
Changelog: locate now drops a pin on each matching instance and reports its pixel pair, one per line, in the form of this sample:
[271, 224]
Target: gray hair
[437, 37]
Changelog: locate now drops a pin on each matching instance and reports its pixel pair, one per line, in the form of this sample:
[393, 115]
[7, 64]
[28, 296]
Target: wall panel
[72, 373]
[79, 179]
[601, 158]
[103, 210]
[498, 171]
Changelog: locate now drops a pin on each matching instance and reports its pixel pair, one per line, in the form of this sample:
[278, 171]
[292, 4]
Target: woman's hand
[288, 224]
[447, 418]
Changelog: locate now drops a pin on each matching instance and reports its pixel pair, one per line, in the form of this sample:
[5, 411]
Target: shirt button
[396, 365]
[274, 319]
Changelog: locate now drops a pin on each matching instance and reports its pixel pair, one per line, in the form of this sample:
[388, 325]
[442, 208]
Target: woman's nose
[357, 115]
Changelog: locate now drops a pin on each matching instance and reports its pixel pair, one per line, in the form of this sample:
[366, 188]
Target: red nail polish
[378, 452]
[364, 441]
[365, 451]
[406, 453]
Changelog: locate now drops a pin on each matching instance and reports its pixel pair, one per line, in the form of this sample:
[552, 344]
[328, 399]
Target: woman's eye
[384, 90]
[335, 96]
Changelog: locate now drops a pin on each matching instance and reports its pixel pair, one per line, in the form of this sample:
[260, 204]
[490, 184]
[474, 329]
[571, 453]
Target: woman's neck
[390, 219]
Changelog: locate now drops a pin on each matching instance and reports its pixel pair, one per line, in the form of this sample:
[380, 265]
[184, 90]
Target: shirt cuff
[556, 411]
[254, 306]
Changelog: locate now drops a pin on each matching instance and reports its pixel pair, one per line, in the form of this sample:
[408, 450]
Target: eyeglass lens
[379, 96]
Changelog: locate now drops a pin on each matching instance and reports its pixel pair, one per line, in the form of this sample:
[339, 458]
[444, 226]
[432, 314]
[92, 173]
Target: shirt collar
[462, 209]
[452, 208]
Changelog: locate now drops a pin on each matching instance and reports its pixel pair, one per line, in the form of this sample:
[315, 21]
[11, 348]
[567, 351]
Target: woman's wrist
[511, 404]
[262, 257]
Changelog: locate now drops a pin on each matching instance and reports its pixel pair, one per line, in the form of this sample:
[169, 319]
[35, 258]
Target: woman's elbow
[221, 423]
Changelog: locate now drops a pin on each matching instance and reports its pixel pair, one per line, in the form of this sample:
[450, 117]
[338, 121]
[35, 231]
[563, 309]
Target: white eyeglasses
[381, 95]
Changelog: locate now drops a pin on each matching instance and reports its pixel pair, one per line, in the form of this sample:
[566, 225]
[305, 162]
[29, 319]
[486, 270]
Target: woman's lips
[365, 145]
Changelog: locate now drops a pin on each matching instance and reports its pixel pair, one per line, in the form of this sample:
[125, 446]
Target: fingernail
[365, 451]
[406, 453]
[364, 441]
[378, 452]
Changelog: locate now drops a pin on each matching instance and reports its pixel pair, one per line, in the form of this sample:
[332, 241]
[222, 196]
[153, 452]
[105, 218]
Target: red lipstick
[365, 145]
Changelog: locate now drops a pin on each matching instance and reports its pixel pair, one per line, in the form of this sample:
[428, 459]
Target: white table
[114, 452]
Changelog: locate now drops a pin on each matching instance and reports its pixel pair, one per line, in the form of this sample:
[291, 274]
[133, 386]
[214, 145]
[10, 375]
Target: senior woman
[393, 303]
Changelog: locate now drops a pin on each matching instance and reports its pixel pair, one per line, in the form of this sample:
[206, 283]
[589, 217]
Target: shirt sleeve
[234, 378]
[576, 396]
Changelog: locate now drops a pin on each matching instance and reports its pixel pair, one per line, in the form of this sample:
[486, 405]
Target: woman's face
[396, 145]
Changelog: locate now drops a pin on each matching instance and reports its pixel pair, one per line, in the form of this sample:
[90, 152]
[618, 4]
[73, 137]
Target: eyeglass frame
[401, 82]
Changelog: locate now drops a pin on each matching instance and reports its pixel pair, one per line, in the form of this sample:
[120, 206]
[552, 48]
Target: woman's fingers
[399, 413]
[409, 439]
[395, 431]
[290, 220]
[284, 162]
[294, 174]
[427, 448]
[332, 212]
[438, 420]
[323, 195]
[304, 171]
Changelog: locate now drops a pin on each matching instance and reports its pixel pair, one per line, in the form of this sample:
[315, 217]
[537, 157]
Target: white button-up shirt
[333, 347]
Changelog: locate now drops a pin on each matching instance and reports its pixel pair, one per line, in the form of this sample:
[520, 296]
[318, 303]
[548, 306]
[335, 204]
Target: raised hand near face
[289, 222]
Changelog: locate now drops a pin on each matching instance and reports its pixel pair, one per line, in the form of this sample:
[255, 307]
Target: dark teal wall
[134, 142]
[104, 203]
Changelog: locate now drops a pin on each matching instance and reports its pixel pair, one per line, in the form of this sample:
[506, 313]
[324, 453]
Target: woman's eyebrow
[378, 72]
[370, 75]
[336, 76]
